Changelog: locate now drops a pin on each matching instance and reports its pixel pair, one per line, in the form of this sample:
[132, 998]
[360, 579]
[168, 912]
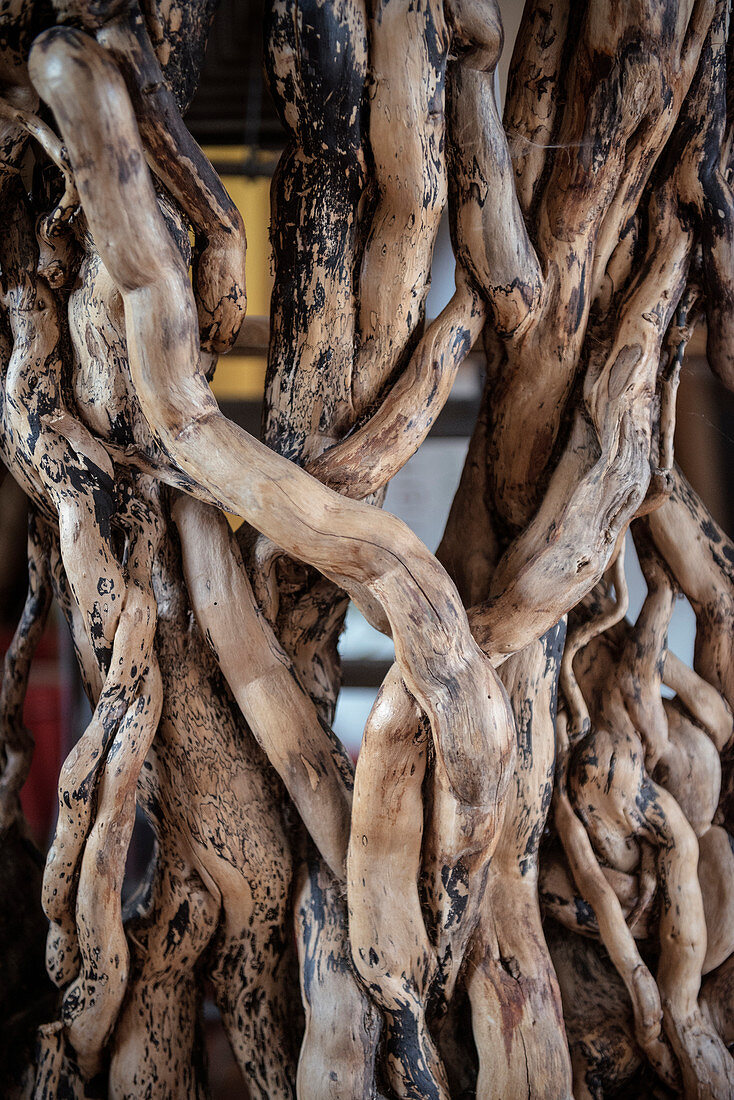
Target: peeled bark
[391, 929]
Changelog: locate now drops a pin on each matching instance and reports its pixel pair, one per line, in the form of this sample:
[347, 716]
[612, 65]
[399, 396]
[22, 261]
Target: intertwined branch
[520, 761]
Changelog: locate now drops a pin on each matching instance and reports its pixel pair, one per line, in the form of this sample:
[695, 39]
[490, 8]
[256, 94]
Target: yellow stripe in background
[251, 196]
[241, 377]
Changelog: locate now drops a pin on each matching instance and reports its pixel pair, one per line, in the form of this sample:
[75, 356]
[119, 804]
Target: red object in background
[43, 717]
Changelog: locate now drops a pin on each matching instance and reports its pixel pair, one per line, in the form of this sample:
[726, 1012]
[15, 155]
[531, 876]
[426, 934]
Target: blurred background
[233, 118]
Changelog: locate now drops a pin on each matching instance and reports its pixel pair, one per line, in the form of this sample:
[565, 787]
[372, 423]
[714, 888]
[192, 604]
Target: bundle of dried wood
[526, 887]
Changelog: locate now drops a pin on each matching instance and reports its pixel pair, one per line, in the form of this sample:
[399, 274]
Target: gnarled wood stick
[592, 239]
[310, 762]
[16, 743]
[219, 262]
[198, 437]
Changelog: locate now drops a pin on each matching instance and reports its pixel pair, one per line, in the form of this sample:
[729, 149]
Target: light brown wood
[525, 886]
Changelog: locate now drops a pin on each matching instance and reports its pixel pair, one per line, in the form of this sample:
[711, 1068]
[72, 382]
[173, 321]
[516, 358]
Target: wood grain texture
[525, 885]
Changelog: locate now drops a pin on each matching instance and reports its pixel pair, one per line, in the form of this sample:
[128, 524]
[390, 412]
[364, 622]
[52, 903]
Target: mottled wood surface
[525, 887]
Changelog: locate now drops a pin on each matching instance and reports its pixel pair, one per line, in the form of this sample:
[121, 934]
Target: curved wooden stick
[613, 929]
[408, 55]
[394, 958]
[266, 491]
[420, 952]
[92, 1002]
[15, 740]
[81, 772]
[572, 234]
[405, 416]
[281, 715]
[219, 262]
[491, 240]
[508, 962]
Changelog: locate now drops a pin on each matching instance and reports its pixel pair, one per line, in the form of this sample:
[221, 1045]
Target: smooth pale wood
[219, 261]
[589, 241]
[199, 440]
[154, 1024]
[570, 218]
[280, 714]
[392, 952]
[615, 833]
[408, 54]
[508, 959]
[371, 455]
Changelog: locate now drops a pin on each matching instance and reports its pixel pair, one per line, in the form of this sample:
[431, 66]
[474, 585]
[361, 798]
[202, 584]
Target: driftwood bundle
[526, 887]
